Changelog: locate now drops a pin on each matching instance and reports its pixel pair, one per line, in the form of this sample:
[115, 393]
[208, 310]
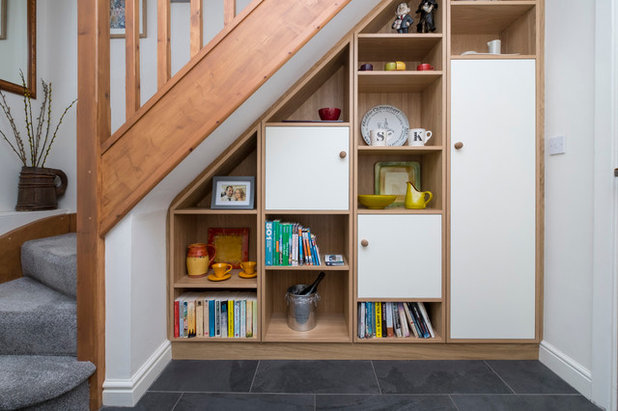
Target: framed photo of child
[232, 192]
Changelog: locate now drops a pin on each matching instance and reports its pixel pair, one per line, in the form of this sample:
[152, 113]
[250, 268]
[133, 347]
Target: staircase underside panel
[217, 82]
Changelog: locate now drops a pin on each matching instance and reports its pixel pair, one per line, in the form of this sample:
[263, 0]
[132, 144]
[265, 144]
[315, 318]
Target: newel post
[93, 127]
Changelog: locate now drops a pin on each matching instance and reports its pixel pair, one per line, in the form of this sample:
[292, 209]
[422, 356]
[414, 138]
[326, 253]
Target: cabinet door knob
[364, 242]
[458, 145]
[343, 154]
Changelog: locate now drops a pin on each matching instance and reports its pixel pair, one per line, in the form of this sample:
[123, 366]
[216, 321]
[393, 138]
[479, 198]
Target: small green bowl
[376, 201]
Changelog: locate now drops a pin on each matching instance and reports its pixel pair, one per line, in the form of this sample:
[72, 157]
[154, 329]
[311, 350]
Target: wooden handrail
[132, 56]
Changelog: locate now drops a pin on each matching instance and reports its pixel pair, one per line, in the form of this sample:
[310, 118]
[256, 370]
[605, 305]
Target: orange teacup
[248, 266]
[221, 269]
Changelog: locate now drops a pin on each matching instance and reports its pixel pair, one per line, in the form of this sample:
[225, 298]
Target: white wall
[56, 63]
[569, 191]
[142, 231]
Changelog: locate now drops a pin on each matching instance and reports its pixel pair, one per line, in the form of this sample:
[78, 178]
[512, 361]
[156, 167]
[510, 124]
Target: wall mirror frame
[30, 76]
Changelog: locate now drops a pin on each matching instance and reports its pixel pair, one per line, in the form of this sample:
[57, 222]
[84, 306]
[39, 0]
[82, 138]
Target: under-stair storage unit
[463, 269]
[493, 199]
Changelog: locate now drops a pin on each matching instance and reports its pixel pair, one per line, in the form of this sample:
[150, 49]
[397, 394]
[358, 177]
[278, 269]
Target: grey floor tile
[438, 377]
[384, 402]
[235, 402]
[523, 402]
[530, 377]
[152, 401]
[315, 377]
[209, 376]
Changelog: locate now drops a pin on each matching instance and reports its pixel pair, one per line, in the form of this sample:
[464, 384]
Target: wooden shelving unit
[335, 81]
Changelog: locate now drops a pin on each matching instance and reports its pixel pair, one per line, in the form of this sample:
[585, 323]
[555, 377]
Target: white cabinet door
[304, 168]
[493, 114]
[403, 257]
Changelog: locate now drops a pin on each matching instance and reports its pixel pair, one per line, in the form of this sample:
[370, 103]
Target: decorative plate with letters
[389, 118]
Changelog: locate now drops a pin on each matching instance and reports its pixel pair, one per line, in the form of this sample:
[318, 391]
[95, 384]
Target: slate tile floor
[360, 385]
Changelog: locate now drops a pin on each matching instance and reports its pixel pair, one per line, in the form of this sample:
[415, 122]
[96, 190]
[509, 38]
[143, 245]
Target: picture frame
[3, 19]
[233, 192]
[231, 244]
[117, 19]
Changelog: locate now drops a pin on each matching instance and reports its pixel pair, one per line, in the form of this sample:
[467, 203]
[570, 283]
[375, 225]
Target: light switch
[557, 145]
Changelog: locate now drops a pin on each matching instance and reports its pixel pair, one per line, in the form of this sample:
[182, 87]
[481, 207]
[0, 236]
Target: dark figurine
[426, 9]
[403, 21]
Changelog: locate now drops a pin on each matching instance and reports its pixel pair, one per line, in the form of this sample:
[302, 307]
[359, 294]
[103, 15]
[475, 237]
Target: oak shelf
[322, 267]
[208, 211]
[494, 57]
[396, 81]
[234, 282]
[485, 17]
[330, 327]
[399, 210]
[366, 150]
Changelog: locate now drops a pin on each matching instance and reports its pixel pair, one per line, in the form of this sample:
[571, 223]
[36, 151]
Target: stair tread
[35, 319]
[31, 379]
[52, 261]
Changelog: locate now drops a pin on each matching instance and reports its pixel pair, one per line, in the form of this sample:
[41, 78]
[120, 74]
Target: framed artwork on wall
[231, 244]
[3, 19]
[117, 19]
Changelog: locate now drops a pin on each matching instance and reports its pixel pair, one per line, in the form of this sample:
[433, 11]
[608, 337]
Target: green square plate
[391, 177]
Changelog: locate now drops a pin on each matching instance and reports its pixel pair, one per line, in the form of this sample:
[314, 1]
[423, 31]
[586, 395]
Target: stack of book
[220, 314]
[290, 244]
[393, 319]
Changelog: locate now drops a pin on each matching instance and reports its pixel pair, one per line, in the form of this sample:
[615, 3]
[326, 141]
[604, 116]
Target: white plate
[390, 118]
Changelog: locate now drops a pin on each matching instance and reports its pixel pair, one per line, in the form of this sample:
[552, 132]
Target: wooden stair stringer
[217, 82]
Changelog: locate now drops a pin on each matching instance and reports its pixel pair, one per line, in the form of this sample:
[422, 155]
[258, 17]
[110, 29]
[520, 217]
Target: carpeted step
[44, 382]
[52, 261]
[35, 319]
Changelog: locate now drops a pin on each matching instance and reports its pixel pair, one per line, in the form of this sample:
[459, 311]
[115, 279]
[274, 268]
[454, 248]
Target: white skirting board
[567, 368]
[127, 392]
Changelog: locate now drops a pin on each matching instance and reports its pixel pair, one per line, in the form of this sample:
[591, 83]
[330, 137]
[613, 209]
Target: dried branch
[55, 131]
[39, 123]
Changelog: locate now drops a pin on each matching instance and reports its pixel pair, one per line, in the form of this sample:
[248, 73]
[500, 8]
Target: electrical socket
[557, 145]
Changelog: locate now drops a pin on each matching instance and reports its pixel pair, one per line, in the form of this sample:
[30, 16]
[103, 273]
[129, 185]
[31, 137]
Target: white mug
[494, 46]
[378, 137]
[418, 136]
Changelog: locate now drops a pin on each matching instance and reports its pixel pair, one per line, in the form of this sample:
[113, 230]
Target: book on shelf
[333, 259]
[378, 319]
[215, 314]
[290, 244]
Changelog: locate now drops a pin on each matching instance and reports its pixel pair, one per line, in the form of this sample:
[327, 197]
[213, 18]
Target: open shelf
[214, 339]
[474, 23]
[431, 179]
[396, 81]
[417, 94]
[193, 228]
[329, 87]
[382, 21]
[329, 328]
[412, 49]
[434, 311]
[321, 267]
[331, 314]
[420, 150]
[234, 282]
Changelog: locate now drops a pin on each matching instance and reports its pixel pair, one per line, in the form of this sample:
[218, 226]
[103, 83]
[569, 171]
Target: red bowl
[329, 113]
[424, 66]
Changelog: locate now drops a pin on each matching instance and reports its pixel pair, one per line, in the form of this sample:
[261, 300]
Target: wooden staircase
[116, 171]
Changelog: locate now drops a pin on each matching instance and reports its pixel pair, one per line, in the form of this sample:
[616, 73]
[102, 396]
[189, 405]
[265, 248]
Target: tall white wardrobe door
[307, 168]
[493, 114]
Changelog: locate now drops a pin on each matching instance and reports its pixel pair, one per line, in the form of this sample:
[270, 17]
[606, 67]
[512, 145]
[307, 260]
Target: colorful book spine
[237, 319]
[314, 251]
[299, 244]
[217, 318]
[176, 322]
[286, 244]
[421, 307]
[419, 319]
[249, 318]
[185, 319]
[211, 318]
[223, 319]
[405, 331]
[255, 314]
[199, 318]
[412, 322]
[206, 318]
[243, 318]
[276, 242]
[390, 331]
[268, 243]
[378, 308]
[230, 318]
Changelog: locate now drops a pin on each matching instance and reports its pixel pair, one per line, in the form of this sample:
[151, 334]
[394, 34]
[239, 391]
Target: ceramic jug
[415, 198]
[198, 259]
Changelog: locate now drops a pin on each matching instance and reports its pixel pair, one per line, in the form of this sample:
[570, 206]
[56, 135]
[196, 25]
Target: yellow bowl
[375, 201]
